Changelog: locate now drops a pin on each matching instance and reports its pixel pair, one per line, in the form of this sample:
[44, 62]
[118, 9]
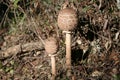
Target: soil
[24, 25]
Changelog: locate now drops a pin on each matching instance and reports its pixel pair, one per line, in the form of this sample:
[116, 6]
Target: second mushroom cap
[51, 45]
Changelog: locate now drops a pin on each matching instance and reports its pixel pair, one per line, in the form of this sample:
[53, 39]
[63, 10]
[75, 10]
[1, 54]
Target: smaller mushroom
[51, 47]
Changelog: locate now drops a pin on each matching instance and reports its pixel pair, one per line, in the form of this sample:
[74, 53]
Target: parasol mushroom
[67, 21]
[51, 47]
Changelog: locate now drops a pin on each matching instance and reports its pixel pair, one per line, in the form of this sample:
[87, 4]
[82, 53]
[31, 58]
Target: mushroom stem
[68, 52]
[53, 67]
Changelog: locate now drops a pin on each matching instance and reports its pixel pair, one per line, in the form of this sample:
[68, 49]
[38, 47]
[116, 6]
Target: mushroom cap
[51, 45]
[67, 19]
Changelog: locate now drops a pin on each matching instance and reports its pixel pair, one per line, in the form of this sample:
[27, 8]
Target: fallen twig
[105, 24]
[21, 48]
[100, 4]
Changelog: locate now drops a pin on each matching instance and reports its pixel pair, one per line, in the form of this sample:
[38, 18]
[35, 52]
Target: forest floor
[95, 41]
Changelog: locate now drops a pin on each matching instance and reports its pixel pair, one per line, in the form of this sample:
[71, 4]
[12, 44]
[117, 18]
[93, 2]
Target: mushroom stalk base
[68, 53]
[53, 67]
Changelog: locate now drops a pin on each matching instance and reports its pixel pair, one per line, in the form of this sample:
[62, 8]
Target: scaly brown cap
[67, 19]
[51, 45]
